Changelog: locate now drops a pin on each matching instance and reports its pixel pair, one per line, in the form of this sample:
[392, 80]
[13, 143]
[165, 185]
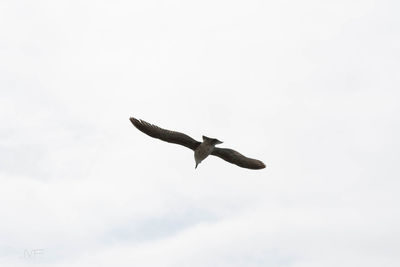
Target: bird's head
[213, 141]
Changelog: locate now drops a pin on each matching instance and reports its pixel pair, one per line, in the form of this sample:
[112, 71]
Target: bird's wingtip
[133, 120]
[260, 165]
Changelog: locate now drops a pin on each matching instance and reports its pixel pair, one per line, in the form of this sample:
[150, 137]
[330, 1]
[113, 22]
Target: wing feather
[165, 135]
[235, 157]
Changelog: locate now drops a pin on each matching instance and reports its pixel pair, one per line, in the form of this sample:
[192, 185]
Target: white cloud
[308, 87]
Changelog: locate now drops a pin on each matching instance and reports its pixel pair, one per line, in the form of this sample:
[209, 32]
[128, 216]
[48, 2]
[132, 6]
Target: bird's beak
[196, 166]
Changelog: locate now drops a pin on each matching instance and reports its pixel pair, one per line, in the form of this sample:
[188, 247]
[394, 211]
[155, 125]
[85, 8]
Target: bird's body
[201, 149]
[205, 149]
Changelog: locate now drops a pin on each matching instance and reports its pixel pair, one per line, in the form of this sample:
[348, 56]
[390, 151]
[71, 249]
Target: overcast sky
[309, 87]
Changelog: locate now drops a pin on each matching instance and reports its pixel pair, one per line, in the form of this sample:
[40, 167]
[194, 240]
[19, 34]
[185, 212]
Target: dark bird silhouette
[201, 149]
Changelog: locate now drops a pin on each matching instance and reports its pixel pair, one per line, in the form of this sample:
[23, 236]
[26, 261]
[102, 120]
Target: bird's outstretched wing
[235, 157]
[165, 135]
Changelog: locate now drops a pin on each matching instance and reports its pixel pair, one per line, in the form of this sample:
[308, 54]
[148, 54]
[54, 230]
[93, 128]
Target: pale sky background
[309, 87]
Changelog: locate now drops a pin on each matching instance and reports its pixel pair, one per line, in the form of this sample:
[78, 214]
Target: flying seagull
[201, 149]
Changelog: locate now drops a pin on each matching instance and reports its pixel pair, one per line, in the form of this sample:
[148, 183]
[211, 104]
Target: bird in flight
[201, 149]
